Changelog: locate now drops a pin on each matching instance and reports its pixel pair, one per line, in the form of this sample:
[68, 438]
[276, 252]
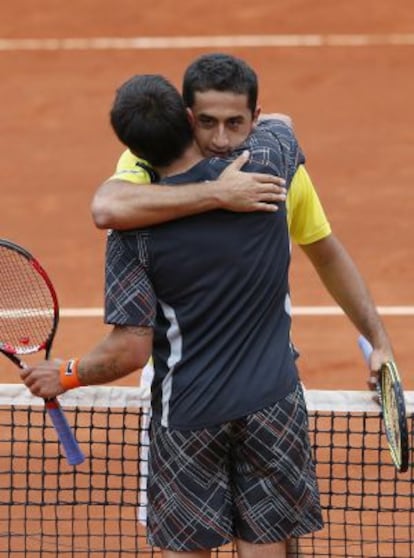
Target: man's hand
[377, 358]
[244, 191]
[43, 380]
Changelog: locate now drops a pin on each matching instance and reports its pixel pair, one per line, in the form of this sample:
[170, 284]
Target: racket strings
[394, 414]
[27, 311]
[391, 415]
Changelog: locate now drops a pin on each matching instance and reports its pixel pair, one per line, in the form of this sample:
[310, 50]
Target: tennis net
[48, 508]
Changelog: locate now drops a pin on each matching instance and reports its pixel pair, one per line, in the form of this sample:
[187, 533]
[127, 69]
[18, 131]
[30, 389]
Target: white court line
[296, 311]
[336, 311]
[212, 41]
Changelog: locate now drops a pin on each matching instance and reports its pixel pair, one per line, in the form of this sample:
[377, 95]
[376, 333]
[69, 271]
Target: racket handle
[365, 347]
[73, 452]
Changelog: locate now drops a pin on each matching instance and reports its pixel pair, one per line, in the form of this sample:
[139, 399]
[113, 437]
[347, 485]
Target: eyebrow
[212, 117]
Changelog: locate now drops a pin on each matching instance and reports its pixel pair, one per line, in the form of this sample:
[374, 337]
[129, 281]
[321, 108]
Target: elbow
[103, 203]
[101, 214]
[136, 348]
[144, 352]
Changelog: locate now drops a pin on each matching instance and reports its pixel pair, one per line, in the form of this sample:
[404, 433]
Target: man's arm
[310, 229]
[121, 205]
[123, 351]
[344, 282]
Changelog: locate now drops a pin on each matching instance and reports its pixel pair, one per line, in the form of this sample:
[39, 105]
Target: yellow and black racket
[391, 399]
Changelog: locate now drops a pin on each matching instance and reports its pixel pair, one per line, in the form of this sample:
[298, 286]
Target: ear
[191, 117]
[256, 114]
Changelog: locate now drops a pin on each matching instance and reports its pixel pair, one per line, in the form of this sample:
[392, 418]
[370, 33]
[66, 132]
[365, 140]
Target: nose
[220, 139]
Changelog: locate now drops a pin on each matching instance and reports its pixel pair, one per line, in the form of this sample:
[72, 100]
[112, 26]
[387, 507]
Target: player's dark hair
[220, 72]
[148, 115]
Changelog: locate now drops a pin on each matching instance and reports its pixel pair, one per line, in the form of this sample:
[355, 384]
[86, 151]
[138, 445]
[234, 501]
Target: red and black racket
[29, 316]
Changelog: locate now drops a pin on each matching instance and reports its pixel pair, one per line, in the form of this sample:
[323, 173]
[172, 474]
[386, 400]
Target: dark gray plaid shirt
[215, 289]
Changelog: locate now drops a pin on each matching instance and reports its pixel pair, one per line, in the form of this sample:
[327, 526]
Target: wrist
[216, 191]
[69, 377]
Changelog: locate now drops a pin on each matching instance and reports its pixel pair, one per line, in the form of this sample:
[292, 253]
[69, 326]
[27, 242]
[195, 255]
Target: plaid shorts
[252, 478]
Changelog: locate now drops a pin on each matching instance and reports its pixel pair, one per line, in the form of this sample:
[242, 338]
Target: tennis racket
[391, 398]
[29, 316]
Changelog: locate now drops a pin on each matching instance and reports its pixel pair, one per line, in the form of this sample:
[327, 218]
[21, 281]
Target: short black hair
[148, 115]
[220, 72]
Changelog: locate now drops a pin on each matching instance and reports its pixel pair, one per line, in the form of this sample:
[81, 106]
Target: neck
[188, 159]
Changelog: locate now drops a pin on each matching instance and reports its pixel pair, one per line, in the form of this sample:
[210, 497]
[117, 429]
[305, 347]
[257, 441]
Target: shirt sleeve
[129, 295]
[306, 218]
[290, 151]
[132, 169]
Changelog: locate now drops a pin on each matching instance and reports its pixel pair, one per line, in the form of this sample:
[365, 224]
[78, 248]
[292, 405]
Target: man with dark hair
[208, 295]
[219, 72]
[165, 120]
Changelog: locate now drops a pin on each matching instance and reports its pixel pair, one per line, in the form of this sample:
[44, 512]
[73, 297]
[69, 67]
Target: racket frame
[73, 453]
[396, 428]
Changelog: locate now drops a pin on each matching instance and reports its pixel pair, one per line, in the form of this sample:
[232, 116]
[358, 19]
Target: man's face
[222, 121]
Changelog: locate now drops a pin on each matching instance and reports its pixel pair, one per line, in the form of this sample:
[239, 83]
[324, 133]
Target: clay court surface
[351, 105]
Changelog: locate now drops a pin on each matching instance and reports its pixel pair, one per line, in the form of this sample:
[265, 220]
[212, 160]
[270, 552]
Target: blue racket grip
[73, 452]
[365, 347]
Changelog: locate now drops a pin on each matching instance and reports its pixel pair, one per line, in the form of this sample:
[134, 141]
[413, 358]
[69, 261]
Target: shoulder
[133, 169]
[271, 133]
[278, 130]
[205, 170]
[126, 160]
[286, 119]
[282, 135]
[273, 144]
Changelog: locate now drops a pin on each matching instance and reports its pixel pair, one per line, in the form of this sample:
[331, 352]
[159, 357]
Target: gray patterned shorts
[252, 478]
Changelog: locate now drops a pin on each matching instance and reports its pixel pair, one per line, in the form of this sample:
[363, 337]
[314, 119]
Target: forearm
[344, 282]
[123, 351]
[122, 205]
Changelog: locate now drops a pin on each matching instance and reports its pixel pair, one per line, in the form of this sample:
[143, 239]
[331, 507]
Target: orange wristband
[69, 374]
